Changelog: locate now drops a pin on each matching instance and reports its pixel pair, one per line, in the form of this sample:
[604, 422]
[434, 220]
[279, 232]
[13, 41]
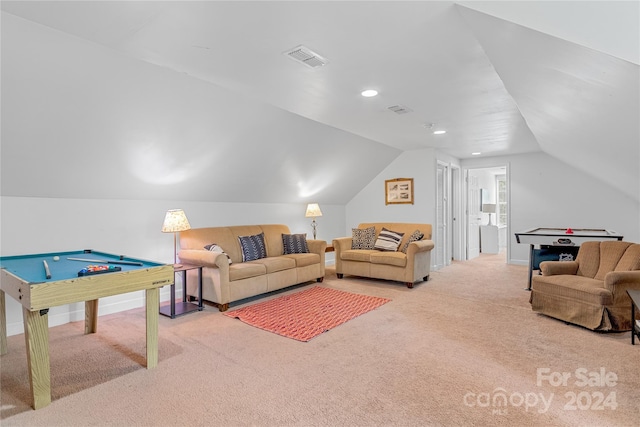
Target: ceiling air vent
[400, 109]
[306, 56]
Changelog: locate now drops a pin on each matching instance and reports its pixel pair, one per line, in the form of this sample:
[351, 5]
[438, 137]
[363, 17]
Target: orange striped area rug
[307, 314]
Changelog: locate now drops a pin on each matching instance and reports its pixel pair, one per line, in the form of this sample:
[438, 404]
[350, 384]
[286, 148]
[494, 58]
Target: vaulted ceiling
[501, 78]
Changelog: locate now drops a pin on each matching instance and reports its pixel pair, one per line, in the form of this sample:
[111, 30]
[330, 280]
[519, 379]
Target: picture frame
[398, 191]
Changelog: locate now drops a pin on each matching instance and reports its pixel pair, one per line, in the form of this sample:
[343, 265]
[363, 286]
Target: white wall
[129, 227]
[369, 204]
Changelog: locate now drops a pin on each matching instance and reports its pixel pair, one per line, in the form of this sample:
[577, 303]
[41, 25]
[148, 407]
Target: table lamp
[313, 211]
[174, 221]
[489, 208]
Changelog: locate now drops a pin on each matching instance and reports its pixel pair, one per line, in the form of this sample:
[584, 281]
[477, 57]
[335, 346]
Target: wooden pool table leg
[3, 325]
[153, 302]
[91, 316]
[36, 335]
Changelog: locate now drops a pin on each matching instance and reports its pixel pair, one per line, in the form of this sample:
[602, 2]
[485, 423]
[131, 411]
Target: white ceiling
[501, 78]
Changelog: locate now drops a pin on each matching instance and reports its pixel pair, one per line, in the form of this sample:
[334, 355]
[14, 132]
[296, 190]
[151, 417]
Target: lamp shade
[313, 211]
[489, 208]
[175, 220]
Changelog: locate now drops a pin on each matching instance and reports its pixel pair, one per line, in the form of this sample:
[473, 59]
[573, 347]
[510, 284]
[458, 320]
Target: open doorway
[487, 208]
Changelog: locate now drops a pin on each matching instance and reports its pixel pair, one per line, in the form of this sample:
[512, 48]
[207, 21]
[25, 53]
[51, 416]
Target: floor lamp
[313, 211]
[175, 221]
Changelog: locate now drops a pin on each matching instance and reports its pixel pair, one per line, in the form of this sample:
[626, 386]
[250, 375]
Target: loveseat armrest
[619, 281]
[317, 246]
[342, 244]
[554, 268]
[205, 258]
[419, 246]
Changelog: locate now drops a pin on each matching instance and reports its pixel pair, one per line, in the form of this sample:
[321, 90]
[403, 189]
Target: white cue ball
[56, 258]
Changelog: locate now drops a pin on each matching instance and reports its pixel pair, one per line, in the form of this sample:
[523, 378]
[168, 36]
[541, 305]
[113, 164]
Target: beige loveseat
[408, 264]
[224, 282]
[590, 291]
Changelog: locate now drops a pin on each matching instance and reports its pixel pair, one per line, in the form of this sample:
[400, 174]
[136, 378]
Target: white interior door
[441, 234]
[456, 218]
[473, 216]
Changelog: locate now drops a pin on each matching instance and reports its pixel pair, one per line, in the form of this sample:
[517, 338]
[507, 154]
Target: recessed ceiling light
[439, 132]
[369, 93]
[477, 153]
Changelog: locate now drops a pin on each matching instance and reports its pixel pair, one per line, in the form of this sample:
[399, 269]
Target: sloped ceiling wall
[152, 100]
[82, 121]
[582, 106]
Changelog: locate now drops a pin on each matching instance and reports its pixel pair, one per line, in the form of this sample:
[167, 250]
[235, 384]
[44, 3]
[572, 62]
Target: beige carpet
[444, 353]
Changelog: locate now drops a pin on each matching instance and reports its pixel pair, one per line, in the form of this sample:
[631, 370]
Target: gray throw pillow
[415, 236]
[253, 247]
[363, 238]
[295, 244]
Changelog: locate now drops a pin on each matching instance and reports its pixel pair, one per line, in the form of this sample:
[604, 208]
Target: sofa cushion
[630, 260]
[414, 237]
[253, 247]
[295, 243]
[363, 238]
[588, 259]
[388, 240]
[273, 238]
[610, 255]
[572, 287]
[276, 263]
[304, 260]
[363, 255]
[245, 270]
[397, 259]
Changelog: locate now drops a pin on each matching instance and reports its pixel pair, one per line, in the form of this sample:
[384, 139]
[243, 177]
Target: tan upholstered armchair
[590, 291]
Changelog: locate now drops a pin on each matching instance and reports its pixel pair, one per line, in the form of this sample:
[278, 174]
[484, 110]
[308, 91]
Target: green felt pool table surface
[30, 268]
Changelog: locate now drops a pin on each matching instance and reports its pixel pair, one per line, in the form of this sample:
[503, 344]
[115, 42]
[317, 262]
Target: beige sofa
[224, 282]
[409, 267]
[592, 290]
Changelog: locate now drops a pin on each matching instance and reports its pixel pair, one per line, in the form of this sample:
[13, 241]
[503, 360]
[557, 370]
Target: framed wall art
[398, 191]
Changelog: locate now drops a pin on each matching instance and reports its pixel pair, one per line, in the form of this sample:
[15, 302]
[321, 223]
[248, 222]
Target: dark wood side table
[172, 310]
[635, 305]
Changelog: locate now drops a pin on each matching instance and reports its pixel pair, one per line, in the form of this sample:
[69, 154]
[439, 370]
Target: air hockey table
[553, 244]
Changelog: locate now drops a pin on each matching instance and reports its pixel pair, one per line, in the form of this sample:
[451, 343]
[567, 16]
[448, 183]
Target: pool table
[553, 243]
[40, 281]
